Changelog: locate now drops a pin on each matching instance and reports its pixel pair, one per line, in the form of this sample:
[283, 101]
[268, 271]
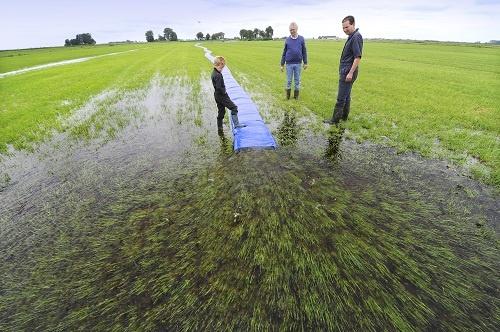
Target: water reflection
[334, 139]
[288, 130]
[225, 143]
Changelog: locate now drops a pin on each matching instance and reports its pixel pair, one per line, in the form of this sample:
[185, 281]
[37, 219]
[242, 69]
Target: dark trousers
[342, 107]
[224, 101]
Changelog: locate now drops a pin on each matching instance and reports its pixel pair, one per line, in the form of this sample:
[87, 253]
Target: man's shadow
[333, 151]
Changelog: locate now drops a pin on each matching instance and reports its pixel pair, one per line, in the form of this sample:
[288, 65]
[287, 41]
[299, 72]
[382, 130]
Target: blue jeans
[293, 71]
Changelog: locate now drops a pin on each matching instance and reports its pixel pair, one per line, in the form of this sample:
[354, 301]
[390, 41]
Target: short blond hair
[218, 60]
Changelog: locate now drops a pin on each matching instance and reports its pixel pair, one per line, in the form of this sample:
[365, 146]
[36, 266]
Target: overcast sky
[37, 23]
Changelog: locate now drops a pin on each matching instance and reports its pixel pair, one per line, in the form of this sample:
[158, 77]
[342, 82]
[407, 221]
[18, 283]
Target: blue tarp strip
[255, 135]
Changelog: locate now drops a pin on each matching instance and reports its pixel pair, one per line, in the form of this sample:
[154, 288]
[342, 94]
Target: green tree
[167, 32]
[150, 36]
[269, 32]
[199, 35]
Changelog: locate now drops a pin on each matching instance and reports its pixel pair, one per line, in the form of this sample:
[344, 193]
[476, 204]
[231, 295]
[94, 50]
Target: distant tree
[87, 39]
[169, 34]
[255, 33]
[161, 38]
[218, 36]
[269, 32]
[262, 34]
[207, 37]
[81, 39]
[199, 35]
[246, 34]
[150, 36]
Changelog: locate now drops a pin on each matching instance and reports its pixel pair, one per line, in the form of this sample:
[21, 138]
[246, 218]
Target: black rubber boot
[288, 91]
[345, 111]
[295, 94]
[237, 123]
[337, 114]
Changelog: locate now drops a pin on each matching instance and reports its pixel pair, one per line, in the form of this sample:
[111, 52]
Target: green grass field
[439, 100]
[161, 227]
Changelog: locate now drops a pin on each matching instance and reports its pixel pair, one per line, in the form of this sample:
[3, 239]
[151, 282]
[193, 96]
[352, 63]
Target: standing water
[139, 216]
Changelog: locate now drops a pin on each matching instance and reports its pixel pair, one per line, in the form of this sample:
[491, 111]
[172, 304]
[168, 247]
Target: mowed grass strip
[437, 99]
[32, 103]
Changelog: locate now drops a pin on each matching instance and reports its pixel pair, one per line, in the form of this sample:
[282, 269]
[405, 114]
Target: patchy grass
[285, 244]
[163, 228]
[31, 104]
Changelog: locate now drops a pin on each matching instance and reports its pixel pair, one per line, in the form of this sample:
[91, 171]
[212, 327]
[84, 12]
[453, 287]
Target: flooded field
[139, 216]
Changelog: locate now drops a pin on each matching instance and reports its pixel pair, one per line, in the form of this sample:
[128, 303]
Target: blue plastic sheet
[255, 135]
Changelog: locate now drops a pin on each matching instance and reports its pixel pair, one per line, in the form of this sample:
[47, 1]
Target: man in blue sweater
[294, 54]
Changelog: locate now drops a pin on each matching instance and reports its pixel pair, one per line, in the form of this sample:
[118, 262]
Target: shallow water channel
[139, 216]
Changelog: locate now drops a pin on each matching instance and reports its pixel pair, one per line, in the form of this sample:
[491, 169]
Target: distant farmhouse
[329, 37]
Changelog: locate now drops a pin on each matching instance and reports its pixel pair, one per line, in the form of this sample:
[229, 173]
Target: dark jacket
[218, 83]
[353, 48]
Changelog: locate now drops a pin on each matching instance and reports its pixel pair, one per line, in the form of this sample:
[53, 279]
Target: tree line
[81, 39]
[168, 34]
[244, 34]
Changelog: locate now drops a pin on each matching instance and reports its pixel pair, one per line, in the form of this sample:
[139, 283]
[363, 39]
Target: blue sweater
[294, 51]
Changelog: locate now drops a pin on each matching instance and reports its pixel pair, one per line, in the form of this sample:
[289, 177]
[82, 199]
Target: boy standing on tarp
[221, 97]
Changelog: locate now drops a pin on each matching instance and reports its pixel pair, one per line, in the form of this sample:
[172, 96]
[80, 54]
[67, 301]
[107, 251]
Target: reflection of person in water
[288, 130]
[332, 151]
[225, 146]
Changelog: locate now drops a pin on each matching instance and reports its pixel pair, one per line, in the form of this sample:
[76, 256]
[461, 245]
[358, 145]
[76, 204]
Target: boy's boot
[288, 91]
[236, 123]
[295, 94]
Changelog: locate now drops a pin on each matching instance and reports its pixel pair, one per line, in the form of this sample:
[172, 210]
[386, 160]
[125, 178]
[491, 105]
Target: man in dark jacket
[348, 70]
[221, 97]
[294, 53]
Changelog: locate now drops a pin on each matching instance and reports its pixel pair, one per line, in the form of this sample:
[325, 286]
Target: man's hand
[305, 65]
[281, 68]
[348, 78]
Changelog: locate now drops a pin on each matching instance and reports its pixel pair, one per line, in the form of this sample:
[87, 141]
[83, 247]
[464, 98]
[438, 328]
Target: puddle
[59, 63]
[139, 216]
